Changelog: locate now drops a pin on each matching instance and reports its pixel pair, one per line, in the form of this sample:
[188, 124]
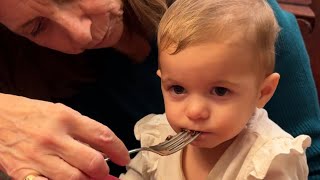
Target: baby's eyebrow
[226, 82]
[167, 80]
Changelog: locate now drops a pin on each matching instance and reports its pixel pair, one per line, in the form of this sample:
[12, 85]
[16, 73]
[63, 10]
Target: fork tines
[181, 139]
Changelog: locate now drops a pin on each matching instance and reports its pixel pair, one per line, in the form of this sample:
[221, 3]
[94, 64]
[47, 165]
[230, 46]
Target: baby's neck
[198, 162]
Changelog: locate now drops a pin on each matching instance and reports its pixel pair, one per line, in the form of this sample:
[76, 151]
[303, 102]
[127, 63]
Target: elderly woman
[56, 108]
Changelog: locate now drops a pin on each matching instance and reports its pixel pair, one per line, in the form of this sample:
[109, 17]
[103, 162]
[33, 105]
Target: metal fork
[171, 145]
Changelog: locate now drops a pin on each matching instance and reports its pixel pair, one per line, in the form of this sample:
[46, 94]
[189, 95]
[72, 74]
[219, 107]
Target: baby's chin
[203, 145]
[207, 141]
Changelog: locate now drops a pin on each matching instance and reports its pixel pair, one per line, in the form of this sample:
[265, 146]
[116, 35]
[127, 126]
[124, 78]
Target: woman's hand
[54, 141]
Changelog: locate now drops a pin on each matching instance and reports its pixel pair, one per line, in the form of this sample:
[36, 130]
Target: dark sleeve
[295, 105]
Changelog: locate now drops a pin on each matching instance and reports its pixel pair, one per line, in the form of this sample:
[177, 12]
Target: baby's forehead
[243, 53]
[170, 46]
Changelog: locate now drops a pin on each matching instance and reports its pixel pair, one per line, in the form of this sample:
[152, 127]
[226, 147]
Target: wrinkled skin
[51, 140]
[70, 26]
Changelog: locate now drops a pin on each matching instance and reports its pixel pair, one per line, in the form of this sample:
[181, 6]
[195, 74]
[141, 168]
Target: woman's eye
[39, 26]
[220, 91]
[178, 89]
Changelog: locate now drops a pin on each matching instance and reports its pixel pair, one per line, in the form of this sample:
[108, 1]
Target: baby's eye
[220, 91]
[178, 89]
[38, 27]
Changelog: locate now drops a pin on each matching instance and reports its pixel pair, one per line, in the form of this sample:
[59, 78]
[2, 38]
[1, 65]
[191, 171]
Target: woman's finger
[28, 174]
[84, 158]
[93, 133]
[46, 166]
[100, 137]
[55, 168]
[34, 135]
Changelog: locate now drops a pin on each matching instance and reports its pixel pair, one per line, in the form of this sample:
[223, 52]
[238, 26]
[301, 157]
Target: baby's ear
[267, 89]
[159, 73]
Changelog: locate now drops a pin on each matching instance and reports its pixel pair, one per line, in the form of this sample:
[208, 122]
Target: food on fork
[192, 132]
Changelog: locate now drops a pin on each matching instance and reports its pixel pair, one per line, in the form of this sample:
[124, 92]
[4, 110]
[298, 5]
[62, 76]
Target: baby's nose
[197, 110]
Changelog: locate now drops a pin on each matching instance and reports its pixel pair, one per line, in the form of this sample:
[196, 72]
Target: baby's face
[210, 88]
[70, 26]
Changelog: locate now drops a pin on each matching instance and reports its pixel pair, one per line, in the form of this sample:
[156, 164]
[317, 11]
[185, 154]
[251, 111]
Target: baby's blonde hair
[192, 22]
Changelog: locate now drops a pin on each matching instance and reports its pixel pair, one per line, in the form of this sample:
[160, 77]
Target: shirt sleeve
[281, 159]
[288, 167]
[136, 169]
[150, 130]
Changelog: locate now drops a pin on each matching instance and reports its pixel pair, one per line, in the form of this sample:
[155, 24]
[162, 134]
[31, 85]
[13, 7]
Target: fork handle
[135, 150]
[130, 152]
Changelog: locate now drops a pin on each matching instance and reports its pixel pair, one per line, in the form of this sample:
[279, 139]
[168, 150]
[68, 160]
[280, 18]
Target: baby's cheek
[228, 122]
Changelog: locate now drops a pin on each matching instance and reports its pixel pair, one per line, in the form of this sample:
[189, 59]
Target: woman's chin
[71, 50]
[111, 39]
[105, 43]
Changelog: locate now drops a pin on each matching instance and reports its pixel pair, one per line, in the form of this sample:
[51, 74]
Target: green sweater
[295, 105]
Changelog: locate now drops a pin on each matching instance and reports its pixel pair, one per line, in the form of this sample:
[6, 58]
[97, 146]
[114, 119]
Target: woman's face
[69, 26]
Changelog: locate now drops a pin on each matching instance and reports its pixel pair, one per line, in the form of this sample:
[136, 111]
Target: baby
[216, 64]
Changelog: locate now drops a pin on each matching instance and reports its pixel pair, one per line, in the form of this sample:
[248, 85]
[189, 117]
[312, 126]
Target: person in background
[50, 100]
[217, 74]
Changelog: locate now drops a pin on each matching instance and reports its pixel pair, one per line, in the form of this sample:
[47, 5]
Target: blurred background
[307, 13]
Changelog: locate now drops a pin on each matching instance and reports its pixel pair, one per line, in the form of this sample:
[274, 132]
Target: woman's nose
[77, 28]
[197, 109]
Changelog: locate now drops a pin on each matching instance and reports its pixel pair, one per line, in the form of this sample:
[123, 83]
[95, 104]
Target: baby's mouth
[193, 132]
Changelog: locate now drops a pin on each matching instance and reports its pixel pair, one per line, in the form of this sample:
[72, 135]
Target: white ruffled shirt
[261, 151]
